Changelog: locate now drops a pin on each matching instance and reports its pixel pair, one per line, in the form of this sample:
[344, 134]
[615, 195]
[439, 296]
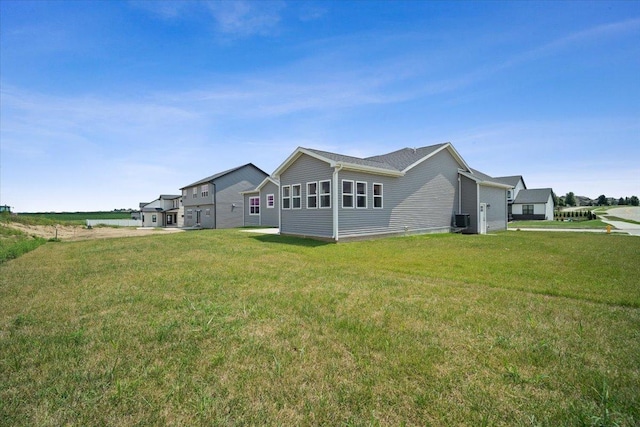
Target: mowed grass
[231, 328]
[586, 224]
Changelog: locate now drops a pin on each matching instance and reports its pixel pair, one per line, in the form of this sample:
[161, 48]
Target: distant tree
[602, 200]
[634, 201]
[622, 201]
[554, 197]
[570, 199]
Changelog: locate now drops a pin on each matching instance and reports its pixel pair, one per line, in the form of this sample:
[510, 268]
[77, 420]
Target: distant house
[336, 197]
[534, 204]
[527, 204]
[165, 211]
[262, 204]
[5, 208]
[217, 201]
[517, 184]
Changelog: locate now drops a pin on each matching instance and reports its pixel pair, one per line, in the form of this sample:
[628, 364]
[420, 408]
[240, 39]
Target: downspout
[336, 169]
[459, 194]
[478, 208]
[279, 204]
[215, 206]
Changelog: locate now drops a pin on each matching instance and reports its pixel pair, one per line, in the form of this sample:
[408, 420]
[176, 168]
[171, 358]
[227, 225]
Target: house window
[377, 196]
[527, 209]
[189, 213]
[169, 219]
[286, 197]
[207, 212]
[347, 194]
[195, 192]
[312, 195]
[296, 196]
[325, 194]
[204, 190]
[254, 205]
[271, 201]
[361, 195]
[154, 218]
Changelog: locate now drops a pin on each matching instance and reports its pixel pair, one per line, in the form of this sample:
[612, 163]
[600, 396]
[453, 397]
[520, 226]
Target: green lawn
[14, 243]
[586, 224]
[231, 328]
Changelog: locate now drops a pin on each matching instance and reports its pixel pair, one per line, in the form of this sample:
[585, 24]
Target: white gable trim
[481, 182]
[451, 150]
[333, 164]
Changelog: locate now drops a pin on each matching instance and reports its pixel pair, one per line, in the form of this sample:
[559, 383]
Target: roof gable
[212, 178]
[484, 179]
[511, 180]
[396, 163]
[535, 195]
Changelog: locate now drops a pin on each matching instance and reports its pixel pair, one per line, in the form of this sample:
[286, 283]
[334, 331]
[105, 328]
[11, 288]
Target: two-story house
[217, 200]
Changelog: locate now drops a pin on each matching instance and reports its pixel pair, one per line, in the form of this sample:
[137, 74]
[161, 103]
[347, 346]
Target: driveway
[627, 212]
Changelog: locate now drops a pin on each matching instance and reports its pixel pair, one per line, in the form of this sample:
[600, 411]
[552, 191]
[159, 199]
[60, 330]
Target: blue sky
[105, 104]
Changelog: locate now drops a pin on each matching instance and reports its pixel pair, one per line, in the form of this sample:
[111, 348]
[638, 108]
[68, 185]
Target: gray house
[262, 204]
[335, 197]
[216, 201]
[165, 211]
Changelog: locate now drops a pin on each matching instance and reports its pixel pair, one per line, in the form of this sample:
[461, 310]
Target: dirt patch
[69, 233]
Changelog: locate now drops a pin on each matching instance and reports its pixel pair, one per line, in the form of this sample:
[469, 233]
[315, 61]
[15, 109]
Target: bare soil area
[69, 233]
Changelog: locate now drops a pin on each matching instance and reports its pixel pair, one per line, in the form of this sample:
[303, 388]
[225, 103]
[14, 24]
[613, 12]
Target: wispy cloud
[240, 18]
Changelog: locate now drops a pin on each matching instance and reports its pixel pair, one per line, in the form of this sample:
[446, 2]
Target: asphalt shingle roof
[221, 174]
[536, 195]
[395, 161]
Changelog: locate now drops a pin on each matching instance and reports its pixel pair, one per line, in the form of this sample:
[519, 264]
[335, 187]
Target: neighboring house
[533, 204]
[335, 197]
[217, 201]
[5, 208]
[262, 204]
[517, 184]
[165, 211]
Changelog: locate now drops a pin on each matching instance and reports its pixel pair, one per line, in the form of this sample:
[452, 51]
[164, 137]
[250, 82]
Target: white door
[483, 218]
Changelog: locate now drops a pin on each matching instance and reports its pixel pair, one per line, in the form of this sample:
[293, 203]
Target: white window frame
[154, 218]
[286, 197]
[271, 201]
[254, 209]
[189, 213]
[379, 196]
[349, 194]
[207, 212]
[294, 197]
[195, 193]
[359, 195]
[322, 195]
[312, 195]
[204, 190]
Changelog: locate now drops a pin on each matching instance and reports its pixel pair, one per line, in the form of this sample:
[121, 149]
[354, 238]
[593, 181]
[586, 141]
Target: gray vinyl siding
[229, 203]
[250, 220]
[496, 200]
[307, 222]
[469, 202]
[269, 216]
[423, 200]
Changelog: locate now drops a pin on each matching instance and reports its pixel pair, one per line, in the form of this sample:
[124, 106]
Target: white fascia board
[369, 169]
[294, 156]
[483, 183]
[451, 150]
[266, 181]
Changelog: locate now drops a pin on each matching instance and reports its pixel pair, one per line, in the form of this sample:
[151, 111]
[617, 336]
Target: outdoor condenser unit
[463, 220]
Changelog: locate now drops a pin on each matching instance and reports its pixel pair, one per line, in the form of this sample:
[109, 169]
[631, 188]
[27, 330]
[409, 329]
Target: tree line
[570, 199]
